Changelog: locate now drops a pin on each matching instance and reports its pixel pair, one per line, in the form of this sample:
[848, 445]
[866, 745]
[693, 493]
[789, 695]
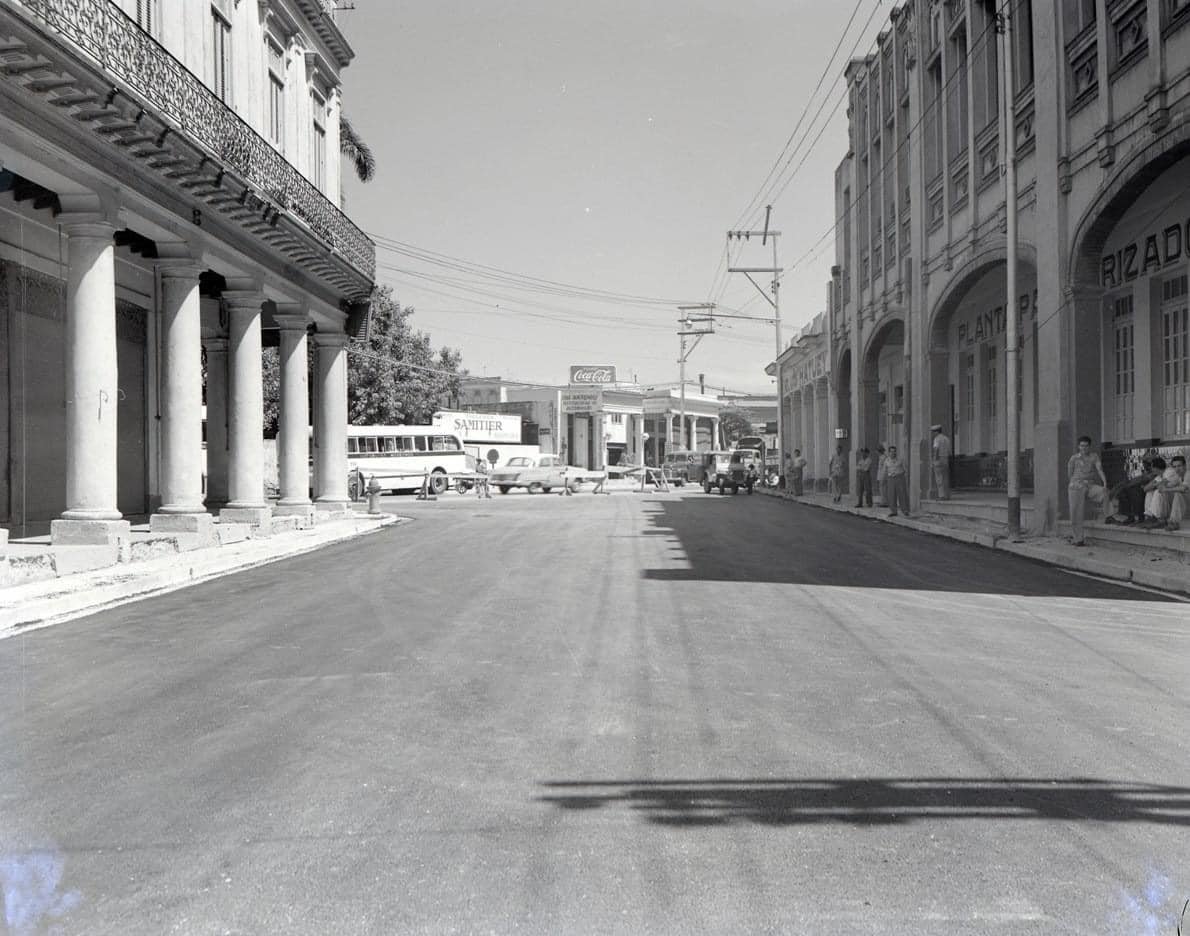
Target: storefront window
[1175, 355]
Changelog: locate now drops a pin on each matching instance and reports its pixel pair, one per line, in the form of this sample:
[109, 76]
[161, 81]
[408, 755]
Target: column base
[304, 512]
[259, 518]
[90, 532]
[199, 525]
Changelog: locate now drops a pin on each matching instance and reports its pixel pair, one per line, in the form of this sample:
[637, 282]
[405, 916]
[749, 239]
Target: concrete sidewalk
[45, 601]
[1149, 565]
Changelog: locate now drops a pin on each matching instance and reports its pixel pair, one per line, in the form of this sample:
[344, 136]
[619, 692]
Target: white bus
[400, 456]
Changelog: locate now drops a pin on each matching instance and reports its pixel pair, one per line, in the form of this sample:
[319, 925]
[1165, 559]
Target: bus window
[421, 443]
[405, 443]
[370, 442]
[351, 446]
[390, 443]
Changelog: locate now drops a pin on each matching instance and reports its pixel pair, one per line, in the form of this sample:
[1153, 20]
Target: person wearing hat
[941, 461]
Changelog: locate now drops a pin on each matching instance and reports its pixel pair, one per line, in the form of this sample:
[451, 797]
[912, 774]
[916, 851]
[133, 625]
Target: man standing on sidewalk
[799, 472]
[941, 461]
[838, 470]
[897, 480]
[1087, 483]
[863, 478]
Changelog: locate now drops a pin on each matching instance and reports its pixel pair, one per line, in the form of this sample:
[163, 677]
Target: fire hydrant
[374, 490]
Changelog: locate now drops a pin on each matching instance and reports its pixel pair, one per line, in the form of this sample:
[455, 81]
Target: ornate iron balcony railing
[127, 52]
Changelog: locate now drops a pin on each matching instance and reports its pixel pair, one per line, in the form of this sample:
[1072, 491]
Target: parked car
[675, 467]
[536, 473]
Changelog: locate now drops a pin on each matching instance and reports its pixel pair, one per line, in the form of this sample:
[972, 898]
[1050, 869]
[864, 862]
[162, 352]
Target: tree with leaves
[398, 377]
[735, 423]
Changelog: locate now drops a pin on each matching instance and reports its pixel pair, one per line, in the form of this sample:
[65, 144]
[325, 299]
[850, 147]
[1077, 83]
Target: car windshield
[518, 463]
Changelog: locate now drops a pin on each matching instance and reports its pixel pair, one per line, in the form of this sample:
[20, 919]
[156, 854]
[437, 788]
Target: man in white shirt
[941, 461]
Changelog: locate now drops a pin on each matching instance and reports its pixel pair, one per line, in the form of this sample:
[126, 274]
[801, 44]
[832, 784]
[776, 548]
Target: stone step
[1108, 534]
[154, 547]
[70, 560]
[26, 567]
[228, 533]
[993, 511]
[284, 524]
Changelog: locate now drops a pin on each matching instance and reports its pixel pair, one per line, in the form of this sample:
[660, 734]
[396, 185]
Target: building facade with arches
[918, 304]
[169, 204]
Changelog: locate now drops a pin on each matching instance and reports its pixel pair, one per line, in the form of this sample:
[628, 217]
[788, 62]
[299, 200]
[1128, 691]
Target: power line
[761, 197]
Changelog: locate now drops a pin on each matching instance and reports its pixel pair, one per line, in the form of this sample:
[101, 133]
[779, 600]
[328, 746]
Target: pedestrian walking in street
[1087, 483]
[881, 474]
[896, 479]
[481, 478]
[863, 478]
[941, 461]
[799, 472]
[838, 471]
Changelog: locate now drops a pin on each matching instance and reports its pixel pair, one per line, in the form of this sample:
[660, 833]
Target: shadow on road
[874, 801]
[759, 539]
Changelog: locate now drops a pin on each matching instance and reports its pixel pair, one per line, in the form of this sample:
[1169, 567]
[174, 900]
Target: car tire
[438, 482]
[546, 490]
[535, 487]
[735, 489]
[461, 486]
[503, 488]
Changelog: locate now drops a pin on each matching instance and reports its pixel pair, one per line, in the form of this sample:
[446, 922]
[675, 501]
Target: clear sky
[601, 144]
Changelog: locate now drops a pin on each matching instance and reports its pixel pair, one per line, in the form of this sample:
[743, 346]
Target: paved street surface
[628, 714]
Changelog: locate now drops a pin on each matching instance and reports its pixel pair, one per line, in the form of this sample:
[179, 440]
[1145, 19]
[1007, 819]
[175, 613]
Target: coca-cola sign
[592, 374]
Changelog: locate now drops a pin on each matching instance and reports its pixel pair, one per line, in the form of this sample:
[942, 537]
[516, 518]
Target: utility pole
[690, 326]
[775, 302]
[1012, 344]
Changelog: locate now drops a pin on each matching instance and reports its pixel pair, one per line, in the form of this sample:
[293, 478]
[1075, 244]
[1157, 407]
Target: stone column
[216, 349]
[808, 433]
[824, 439]
[693, 433]
[181, 509]
[638, 428]
[245, 475]
[656, 441]
[330, 440]
[794, 427]
[716, 442]
[294, 436]
[92, 389]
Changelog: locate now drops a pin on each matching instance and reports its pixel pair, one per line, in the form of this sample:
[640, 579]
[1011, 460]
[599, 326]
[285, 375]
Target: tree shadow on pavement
[760, 539]
[874, 801]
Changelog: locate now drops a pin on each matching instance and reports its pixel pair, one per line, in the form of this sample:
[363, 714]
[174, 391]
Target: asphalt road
[628, 714]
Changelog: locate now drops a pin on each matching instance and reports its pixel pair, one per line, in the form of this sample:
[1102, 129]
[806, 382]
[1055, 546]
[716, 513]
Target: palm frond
[356, 150]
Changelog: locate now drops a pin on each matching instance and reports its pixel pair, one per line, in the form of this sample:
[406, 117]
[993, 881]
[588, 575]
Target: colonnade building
[169, 203]
[916, 325]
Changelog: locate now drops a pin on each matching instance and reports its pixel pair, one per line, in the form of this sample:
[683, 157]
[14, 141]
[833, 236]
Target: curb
[53, 601]
[1163, 581]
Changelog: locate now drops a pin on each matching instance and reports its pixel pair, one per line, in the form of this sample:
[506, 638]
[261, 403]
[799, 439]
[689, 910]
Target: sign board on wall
[592, 374]
[582, 400]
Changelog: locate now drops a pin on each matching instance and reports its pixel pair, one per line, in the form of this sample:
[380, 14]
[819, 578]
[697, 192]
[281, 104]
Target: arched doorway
[967, 368]
[1131, 316]
[841, 378]
[884, 399]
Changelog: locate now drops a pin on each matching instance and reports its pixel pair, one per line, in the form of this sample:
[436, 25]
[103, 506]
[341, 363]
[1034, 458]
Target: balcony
[155, 110]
